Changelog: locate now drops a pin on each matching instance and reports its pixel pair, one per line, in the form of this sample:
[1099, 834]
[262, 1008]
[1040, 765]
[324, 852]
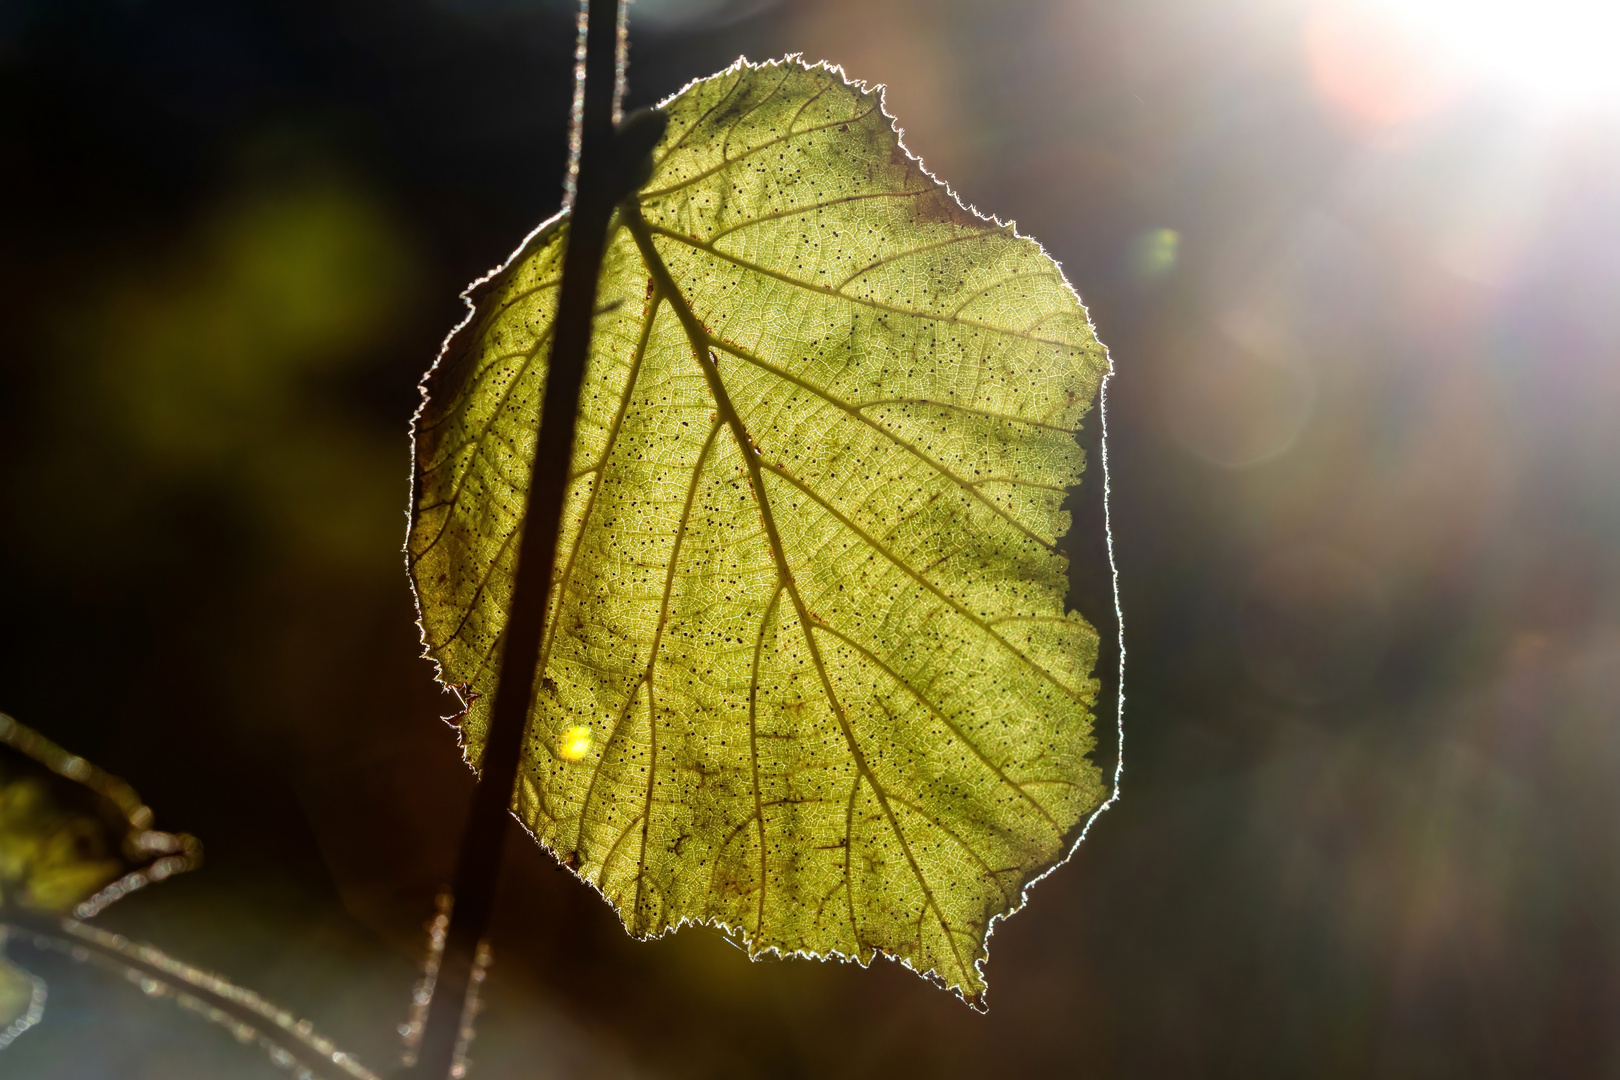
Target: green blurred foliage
[1152, 253]
[50, 857]
[210, 365]
[19, 1000]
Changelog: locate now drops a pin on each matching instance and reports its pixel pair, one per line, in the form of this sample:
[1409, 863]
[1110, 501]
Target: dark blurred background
[1360, 275]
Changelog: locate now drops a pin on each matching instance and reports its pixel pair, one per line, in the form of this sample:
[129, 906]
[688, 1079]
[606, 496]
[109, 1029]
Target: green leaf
[22, 999]
[22, 996]
[72, 837]
[808, 675]
[51, 857]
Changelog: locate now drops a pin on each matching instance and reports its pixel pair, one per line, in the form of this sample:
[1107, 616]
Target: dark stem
[478, 866]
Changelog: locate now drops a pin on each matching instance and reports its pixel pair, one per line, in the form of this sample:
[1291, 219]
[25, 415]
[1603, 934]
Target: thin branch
[479, 863]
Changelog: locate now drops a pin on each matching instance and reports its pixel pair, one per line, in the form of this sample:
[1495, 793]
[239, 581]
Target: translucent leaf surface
[808, 673]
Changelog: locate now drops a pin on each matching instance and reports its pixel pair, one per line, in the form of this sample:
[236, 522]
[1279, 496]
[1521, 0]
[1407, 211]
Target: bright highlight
[1553, 51]
[576, 743]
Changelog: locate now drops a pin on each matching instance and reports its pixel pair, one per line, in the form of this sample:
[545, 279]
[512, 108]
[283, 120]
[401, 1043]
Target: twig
[479, 863]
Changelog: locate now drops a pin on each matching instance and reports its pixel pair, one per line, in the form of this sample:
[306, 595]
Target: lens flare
[1558, 52]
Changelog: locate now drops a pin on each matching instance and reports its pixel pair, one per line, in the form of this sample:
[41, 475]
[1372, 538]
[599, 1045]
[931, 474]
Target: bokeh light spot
[1152, 253]
[1238, 401]
[1549, 50]
[576, 743]
[1372, 67]
[1390, 60]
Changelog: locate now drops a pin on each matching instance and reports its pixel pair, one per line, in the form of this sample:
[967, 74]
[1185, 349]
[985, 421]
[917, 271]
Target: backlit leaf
[72, 839]
[22, 999]
[808, 673]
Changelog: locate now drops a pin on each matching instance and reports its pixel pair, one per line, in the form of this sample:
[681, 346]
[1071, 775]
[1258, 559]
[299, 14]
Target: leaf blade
[808, 611]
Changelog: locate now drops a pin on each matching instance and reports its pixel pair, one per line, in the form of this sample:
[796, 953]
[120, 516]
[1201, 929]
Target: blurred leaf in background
[212, 365]
[22, 999]
[72, 839]
[51, 857]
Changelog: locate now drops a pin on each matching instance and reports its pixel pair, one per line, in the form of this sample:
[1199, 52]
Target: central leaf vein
[700, 340]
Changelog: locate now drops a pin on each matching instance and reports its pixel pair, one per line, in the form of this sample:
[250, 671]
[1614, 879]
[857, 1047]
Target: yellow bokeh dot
[576, 742]
[1153, 252]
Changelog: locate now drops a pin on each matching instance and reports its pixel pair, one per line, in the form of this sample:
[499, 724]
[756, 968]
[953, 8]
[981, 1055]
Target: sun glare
[1553, 51]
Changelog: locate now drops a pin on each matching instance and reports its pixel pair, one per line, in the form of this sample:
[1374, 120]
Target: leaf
[72, 837]
[22, 999]
[808, 675]
[51, 857]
